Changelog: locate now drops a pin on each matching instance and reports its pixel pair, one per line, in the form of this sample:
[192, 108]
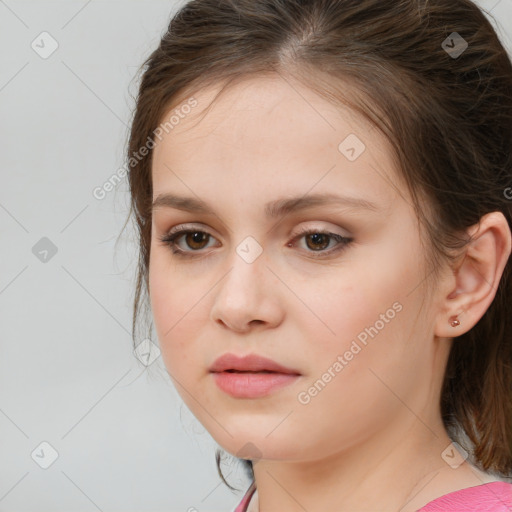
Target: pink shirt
[490, 497]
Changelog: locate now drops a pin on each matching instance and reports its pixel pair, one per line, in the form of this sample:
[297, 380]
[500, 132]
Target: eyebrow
[273, 209]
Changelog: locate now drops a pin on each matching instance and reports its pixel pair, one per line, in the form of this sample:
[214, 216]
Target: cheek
[355, 335]
[362, 321]
[356, 305]
[346, 394]
[176, 308]
[370, 340]
[172, 290]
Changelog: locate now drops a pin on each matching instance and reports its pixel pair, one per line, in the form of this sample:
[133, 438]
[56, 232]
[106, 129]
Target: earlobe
[477, 277]
[454, 322]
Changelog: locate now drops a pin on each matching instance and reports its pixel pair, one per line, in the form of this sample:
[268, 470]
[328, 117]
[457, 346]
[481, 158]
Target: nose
[248, 296]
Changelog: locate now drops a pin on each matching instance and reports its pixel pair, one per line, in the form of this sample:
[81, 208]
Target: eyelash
[169, 239]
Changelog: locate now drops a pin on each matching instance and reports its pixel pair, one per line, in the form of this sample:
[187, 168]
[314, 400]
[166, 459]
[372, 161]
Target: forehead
[274, 131]
[261, 106]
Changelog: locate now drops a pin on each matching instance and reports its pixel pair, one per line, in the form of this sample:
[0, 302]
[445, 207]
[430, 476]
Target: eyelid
[321, 229]
[299, 231]
[185, 226]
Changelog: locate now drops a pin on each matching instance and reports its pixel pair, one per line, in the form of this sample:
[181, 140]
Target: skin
[372, 438]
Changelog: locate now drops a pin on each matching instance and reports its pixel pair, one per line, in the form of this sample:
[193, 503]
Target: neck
[401, 471]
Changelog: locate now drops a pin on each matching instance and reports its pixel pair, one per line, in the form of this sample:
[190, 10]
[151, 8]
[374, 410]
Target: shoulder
[489, 497]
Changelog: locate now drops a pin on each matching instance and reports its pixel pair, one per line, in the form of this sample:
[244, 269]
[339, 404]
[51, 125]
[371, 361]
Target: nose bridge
[247, 270]
[245, 294]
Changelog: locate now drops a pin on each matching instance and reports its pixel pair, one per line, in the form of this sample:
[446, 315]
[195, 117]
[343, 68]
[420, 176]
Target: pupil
[317, 239]
[197, 238]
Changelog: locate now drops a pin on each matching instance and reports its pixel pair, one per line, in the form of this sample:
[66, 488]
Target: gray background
[123, 438]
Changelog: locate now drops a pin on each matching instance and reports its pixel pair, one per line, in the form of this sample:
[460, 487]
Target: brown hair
[447, 117]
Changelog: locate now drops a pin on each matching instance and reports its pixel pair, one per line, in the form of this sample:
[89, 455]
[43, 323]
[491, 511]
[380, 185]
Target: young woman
[322, 191]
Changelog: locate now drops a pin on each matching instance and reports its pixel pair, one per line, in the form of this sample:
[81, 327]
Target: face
[341, 304]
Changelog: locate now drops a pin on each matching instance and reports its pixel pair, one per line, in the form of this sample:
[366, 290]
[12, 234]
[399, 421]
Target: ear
[473, 283]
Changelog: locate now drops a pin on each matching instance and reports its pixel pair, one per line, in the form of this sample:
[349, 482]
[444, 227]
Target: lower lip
[252, 385]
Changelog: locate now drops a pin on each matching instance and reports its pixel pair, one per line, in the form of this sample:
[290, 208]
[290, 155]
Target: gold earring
[455, 323]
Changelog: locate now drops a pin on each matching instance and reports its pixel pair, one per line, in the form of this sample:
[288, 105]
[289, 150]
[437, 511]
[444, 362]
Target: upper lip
[251, 362]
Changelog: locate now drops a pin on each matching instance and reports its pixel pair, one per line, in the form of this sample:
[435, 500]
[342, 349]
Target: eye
[317, 240]
[196, 239]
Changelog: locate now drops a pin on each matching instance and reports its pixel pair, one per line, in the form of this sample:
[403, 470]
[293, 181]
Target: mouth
[250, 363]
[252, 383]
[249, 371]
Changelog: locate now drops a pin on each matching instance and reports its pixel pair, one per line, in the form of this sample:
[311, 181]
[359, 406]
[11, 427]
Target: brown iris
[196, 237]
[317, 239]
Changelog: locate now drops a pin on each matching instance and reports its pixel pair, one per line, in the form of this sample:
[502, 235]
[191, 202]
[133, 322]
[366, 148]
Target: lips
[247, 371]
[251, 363]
